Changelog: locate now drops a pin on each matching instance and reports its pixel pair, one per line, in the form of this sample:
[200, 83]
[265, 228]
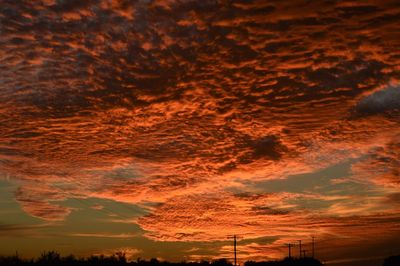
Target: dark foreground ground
[53, 258]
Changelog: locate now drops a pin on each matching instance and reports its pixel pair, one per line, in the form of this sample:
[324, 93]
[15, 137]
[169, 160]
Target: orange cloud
[180, 107]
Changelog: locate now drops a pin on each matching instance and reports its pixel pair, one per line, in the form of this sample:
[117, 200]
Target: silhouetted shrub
[221, 262]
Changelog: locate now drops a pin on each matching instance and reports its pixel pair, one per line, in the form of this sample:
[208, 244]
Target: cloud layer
[189, 108]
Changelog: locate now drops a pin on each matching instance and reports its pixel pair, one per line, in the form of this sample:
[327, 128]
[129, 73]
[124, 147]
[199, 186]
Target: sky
[161, 128]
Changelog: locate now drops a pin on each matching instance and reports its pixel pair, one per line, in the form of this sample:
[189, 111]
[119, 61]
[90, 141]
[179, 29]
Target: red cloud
[176, 104]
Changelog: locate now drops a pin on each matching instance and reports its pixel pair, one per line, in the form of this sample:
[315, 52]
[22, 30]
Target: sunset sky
[159, 128]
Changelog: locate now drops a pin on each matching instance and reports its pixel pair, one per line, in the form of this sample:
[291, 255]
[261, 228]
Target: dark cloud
[22, 230]
[268, 147]
[382, 101]
[393, 198]
[268, 211]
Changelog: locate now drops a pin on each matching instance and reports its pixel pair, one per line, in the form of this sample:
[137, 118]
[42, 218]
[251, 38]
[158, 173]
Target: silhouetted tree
[121, 257]
[49, 258]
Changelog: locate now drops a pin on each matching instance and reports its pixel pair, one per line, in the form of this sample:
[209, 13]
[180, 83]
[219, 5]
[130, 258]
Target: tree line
[51, 258]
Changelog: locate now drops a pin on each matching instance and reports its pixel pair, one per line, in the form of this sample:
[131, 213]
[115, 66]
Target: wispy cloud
[103, 235]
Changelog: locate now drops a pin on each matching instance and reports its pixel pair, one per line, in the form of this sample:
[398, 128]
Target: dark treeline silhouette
[51, 258]
[286, 262]
[54, 258]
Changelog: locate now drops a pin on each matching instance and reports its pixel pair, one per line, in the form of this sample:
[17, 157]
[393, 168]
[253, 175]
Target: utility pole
[234, 247]
[299, 249]
[289, 246]
[313, 246]
[304, 253]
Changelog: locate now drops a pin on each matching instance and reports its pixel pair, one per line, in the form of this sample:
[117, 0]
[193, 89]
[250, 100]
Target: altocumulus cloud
[181, 106]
